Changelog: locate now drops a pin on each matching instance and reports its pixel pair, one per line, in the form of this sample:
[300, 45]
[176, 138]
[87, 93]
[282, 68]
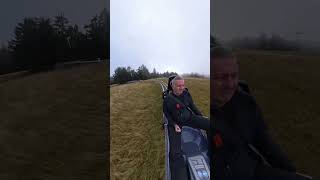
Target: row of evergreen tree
[125, 74]
[39, 43]
[266, 42]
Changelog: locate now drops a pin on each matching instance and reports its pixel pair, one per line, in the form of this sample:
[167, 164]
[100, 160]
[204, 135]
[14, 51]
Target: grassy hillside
[137, 137]
[287, 88]
[200, 91]
[53, 125]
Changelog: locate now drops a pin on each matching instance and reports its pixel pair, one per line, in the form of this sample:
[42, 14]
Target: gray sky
[168, 35]
[232, 18]
[77, 11]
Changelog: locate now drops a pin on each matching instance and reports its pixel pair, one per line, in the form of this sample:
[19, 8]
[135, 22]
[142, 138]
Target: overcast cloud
[292, 19]
[169, 35]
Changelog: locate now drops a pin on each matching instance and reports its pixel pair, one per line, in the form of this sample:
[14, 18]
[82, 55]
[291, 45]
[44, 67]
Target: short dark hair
[221, 52]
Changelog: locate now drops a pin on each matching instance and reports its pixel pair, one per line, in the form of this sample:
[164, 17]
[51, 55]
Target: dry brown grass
[200, 91]
[137, 139]
[287, 88]
[53, 125]
[137, 150]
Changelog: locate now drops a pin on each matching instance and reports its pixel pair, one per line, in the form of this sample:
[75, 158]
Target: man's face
[178, 87]
[225, 79]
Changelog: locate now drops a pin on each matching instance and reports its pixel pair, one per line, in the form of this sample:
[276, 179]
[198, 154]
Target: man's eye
[221, 76]
[226, 76]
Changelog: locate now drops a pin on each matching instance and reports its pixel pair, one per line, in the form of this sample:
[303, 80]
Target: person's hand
[177, 128]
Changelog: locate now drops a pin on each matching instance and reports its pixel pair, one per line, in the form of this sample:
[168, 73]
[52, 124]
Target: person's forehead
[224, 60]
[180, 81]
[225, 64]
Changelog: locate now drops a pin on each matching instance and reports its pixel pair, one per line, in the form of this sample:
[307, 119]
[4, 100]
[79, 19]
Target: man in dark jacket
[243, 150]
[180, 110]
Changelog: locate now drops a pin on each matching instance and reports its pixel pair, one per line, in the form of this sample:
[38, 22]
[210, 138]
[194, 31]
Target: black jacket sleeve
[192, 106]
[168, 112]
[268, 148]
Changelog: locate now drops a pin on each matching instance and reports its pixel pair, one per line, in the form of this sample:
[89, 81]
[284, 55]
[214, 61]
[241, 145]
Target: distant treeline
[6, 62]
[125, 74]
[265, 42]
[39, 43]
[214, 42]
[195, 75]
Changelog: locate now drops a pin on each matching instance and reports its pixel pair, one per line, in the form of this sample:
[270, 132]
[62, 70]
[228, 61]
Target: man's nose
[230, 82]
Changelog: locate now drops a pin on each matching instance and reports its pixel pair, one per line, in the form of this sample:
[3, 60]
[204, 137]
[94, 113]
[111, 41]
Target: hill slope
[287, 89]
[137, 137]
[53, 125]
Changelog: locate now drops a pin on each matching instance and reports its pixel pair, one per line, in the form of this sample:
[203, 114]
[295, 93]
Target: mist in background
[292, 20]
[162, 34]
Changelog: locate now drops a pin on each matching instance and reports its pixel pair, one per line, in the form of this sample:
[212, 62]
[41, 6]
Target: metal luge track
[167, 145]
[195, 148]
